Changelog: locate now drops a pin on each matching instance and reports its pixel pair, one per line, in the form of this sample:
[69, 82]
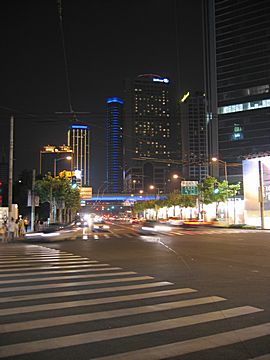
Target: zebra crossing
[58, 305]
[176, 231]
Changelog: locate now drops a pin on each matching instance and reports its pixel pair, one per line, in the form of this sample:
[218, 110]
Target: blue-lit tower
[114, 132]
[79, 142]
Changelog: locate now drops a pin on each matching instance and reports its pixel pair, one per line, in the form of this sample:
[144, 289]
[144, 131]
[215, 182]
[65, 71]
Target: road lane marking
[68, 277]
[78, 303]
[71, 284]
[116, 333]
[36, 273]
[42, 259]
[25, 257]
[57, 294]
[91, 264]
[195, 345]
[41, 263]
[72, 319]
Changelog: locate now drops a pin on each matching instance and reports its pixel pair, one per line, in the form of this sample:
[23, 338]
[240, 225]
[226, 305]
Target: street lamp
[55, 160]
[176, 177]
[152, 187]
[134, 185]
[214, 159]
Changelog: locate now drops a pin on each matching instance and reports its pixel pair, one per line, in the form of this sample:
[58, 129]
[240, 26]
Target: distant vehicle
[175, 221]
[100, 226]
[134, 220]
[153, 227]
[54, 232]
[196, 223]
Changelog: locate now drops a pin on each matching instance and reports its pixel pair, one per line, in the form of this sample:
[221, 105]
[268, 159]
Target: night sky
[105, 42]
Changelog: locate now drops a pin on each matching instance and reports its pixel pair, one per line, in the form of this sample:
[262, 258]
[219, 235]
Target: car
[175, 221]
[54, 233]
[196, 223]
[134, 220]
[153, 227]
[100, 226]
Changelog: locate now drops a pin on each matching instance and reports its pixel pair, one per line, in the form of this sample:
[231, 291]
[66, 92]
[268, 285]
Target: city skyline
[34, 85]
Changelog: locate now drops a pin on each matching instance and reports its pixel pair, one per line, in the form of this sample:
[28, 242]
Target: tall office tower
[79, 142]
[194, 136]
[237, 57]
[114, 133]
[147, 130]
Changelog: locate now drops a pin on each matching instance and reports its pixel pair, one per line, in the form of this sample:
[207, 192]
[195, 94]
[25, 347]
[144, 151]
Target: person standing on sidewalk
[16, 234]
[4, 231]
[21, 227]
[11, 229]
[26, 224]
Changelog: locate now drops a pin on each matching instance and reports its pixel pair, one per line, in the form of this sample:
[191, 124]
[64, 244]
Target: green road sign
[189, 187]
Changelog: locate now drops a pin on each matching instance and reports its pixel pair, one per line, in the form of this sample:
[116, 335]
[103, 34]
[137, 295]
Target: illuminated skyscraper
[79, 142]
[114, 133]
[237, 73]
[147, 130]
[194, 136]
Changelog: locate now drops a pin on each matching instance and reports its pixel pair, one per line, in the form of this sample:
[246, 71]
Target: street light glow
[56, 160]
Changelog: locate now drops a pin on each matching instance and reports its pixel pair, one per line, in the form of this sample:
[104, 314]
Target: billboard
[253, 193]
[86, 192]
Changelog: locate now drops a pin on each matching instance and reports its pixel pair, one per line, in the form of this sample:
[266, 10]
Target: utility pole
[33, 200]
[10, 173]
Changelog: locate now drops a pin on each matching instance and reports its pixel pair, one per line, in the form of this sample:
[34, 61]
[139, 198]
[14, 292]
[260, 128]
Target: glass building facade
[147, 129]
[242, 59]
[114, 134]
[194, 137]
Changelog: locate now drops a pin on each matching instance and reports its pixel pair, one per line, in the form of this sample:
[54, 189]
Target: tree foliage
[172, 199]
[57, 191]
[224, 190]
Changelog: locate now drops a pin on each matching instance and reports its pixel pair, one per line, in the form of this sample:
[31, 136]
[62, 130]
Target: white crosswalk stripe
[53, 298]
[37, 324]
[193, 345]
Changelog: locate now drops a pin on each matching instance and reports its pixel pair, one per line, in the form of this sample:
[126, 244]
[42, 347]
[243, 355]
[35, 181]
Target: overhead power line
[60, 12]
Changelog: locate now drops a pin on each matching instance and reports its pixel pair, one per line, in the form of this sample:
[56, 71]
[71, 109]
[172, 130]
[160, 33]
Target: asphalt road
[191, 294]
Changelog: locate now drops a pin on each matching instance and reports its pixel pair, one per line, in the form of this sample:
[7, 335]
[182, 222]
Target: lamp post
[152, 187]
[134, 185]
[176, 177]
[214, 159]
[55, 161]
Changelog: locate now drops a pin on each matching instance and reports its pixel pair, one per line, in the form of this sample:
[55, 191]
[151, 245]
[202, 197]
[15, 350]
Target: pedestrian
[21, 227]
[11, 228]
[36, 225]
[26, 224]
[3, 231]
[16, 234]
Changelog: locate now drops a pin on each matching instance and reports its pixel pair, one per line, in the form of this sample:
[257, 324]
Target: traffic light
[216, 189]
[1, 193]
[74, 184]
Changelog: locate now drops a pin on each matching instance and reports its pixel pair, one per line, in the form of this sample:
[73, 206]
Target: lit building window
[237, 133]
[252, 105]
